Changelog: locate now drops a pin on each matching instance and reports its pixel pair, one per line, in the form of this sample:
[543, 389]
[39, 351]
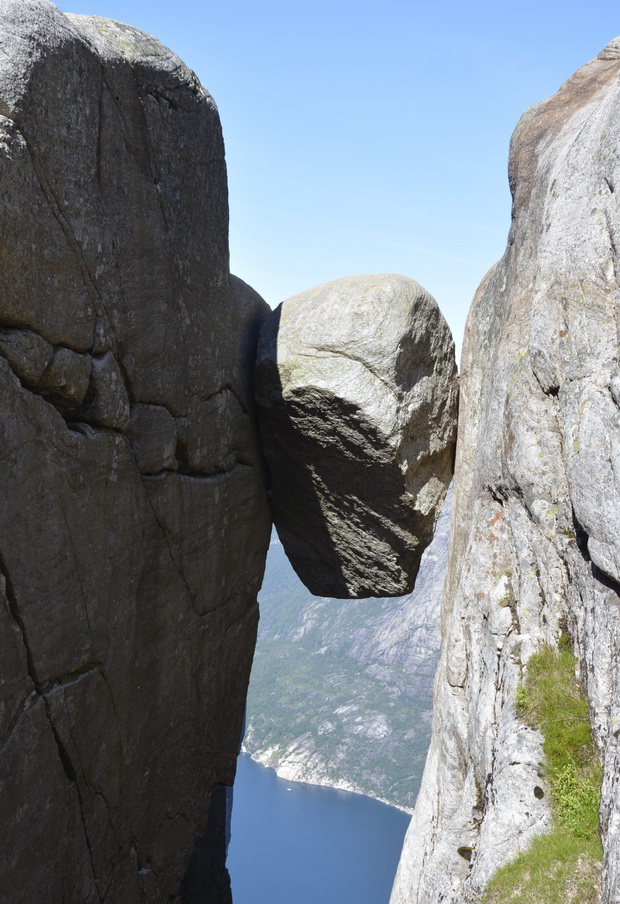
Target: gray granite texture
[357, 389]
[535, 545]
[134, 521]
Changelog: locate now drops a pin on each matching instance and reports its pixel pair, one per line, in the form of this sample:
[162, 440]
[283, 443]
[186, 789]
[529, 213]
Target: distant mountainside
[341, 690]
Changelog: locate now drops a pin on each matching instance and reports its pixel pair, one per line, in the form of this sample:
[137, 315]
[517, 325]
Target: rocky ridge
[534, 547]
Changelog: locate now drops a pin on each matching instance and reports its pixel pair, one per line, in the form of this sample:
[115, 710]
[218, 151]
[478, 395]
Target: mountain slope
[341, 690]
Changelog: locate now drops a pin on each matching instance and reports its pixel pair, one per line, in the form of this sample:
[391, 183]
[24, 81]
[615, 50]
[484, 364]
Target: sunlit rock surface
[134, 521]
[535, 543]
[357, 390]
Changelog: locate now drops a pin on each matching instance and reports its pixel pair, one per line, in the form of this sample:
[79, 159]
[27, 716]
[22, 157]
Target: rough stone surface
[536, 521]
[134, 519]
[357, 389]
[28, 354]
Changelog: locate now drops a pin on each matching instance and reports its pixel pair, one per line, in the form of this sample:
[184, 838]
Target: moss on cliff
[563, 865]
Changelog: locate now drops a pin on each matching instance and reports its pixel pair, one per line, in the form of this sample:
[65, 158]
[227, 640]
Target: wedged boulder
[134, 520]
[357, 390]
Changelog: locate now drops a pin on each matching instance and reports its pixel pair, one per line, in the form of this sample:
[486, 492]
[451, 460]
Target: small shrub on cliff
[563, 865]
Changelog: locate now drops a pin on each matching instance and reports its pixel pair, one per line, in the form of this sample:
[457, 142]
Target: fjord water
[298, 844]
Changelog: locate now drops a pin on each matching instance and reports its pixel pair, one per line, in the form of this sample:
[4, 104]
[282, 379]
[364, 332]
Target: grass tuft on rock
[563, 865]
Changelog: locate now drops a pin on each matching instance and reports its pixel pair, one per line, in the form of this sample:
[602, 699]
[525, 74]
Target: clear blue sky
[365, 137]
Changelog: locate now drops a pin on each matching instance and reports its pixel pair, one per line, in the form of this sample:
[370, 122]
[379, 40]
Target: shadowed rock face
[357, 389]
[134, 522]
[536, 522]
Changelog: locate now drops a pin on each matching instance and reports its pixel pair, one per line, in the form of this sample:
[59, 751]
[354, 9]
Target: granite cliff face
[535, 539]
[134, 519]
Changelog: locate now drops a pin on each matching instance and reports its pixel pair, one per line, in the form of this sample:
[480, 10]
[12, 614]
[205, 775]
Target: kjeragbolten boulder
[357, 391]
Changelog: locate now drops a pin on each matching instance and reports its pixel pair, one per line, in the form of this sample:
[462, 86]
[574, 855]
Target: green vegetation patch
[563, 865]
[553, 870]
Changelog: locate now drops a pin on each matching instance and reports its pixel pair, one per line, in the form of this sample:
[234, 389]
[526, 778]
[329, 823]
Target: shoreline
[289, 774]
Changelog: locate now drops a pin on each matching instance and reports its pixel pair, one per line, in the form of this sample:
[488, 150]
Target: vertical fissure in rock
[63, 754]
[17, 618]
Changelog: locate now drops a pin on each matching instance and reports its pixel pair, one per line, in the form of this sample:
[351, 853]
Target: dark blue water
[300, 844]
